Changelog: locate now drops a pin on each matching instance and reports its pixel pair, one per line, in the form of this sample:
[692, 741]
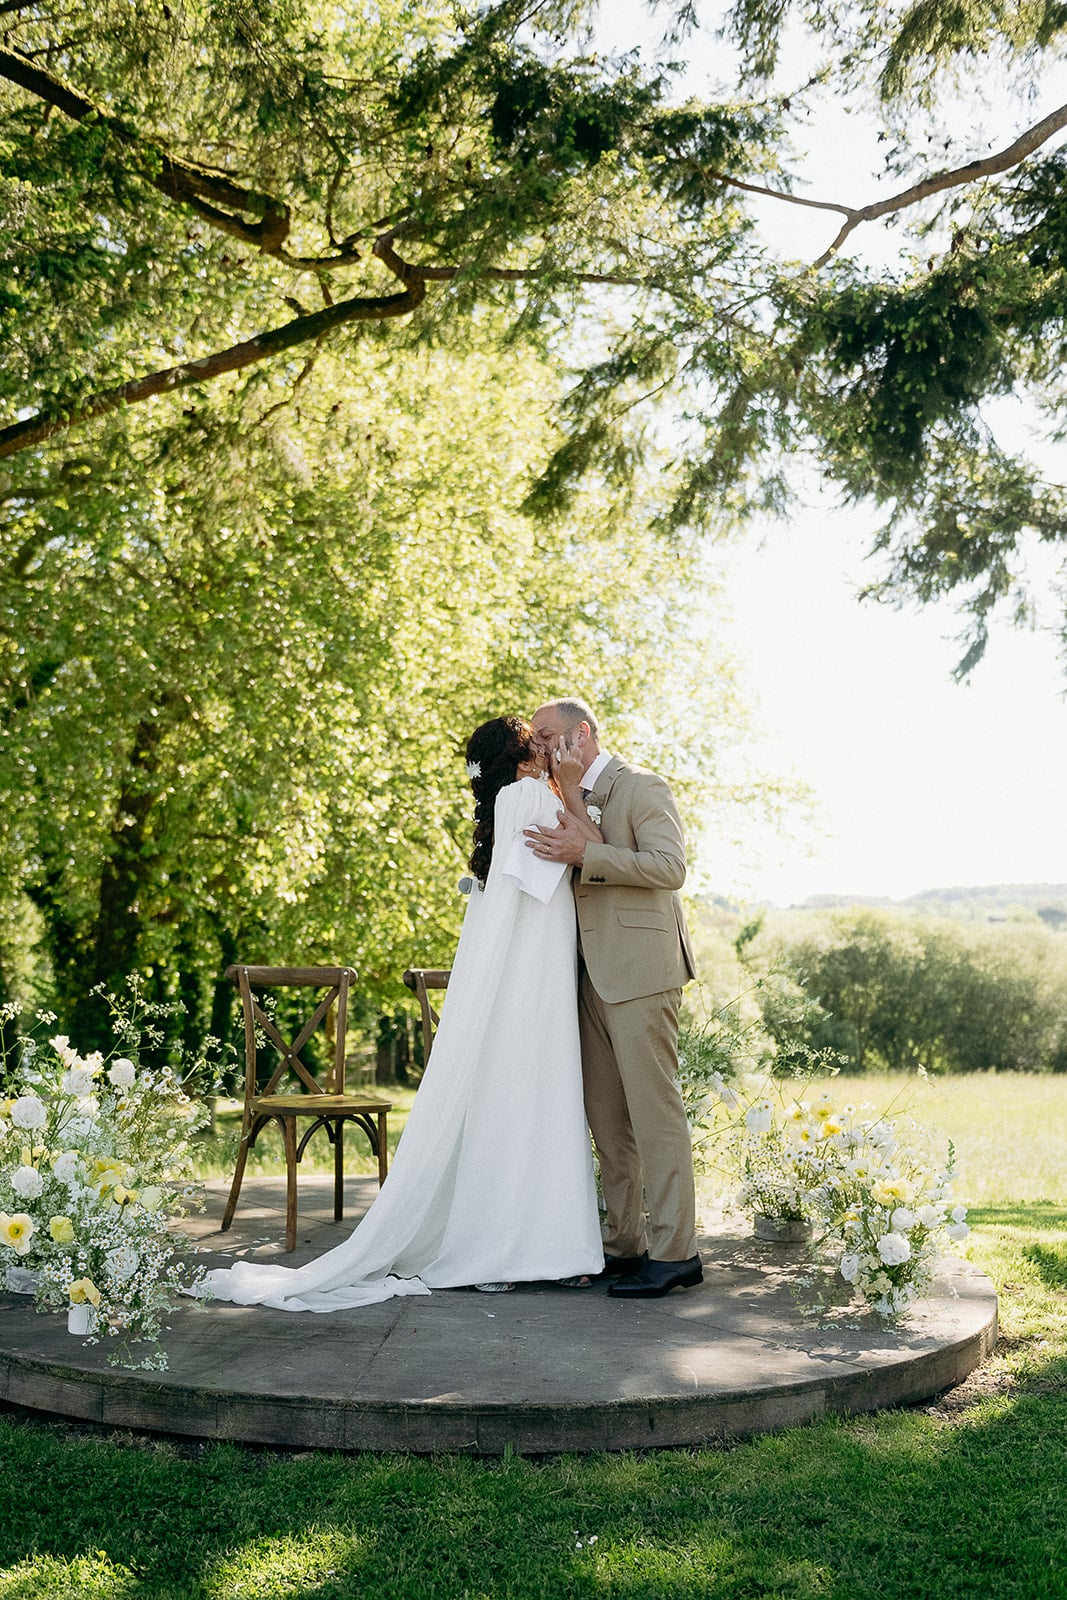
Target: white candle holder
[80, 1320]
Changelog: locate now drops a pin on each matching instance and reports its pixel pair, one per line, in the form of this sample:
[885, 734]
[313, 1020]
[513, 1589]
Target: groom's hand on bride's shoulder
[563, 843]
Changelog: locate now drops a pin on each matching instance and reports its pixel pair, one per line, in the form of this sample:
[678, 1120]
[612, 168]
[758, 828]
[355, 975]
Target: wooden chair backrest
[420, 980]
[337, 982]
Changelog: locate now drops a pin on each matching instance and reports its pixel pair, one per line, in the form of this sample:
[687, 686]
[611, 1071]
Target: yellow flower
[822, 1112]
[16, 1231]
[123, 1196]
[82, 1290]
[828, 1129]
[61, 1229]
[888, 1191]
[105, 1173]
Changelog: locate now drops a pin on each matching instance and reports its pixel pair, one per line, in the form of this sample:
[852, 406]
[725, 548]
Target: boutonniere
[594, 812]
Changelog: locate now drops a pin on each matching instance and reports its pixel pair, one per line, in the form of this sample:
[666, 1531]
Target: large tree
[245, 644]
[192, 190]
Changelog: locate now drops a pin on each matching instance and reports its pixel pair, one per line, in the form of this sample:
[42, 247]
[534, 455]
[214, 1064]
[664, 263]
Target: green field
[961, 1498]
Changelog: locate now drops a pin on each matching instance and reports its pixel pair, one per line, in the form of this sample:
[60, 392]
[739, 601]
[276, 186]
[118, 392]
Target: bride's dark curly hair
[497, 748]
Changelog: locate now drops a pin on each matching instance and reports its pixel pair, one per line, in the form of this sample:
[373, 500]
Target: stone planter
[781, 1230]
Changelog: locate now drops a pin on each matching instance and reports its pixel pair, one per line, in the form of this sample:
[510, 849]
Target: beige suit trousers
[635, 1111]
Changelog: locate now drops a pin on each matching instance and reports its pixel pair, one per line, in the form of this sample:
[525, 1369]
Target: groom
[634, 959]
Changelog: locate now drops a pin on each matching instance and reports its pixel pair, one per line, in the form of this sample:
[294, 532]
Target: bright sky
[920, 783]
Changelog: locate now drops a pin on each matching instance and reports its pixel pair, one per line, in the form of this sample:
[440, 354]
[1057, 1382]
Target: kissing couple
[565, 989]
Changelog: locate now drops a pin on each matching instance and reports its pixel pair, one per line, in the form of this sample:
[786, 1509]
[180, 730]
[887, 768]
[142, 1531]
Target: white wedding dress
[492, 1179]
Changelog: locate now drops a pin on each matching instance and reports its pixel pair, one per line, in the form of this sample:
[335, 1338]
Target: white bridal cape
[493, 1178]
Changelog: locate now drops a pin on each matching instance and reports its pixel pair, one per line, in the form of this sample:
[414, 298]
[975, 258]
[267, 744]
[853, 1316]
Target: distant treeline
[891, 991]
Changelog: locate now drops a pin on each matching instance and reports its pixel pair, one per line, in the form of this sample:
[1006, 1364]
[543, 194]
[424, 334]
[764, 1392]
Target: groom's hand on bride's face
[568, 762]
[565, 843]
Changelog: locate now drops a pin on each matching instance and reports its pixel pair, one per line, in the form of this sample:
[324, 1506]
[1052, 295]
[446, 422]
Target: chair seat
[317, 1105]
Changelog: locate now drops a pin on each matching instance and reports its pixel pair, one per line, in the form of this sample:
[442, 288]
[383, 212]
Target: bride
[492, 1182]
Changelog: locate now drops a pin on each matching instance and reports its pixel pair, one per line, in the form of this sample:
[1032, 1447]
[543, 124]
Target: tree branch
[37, 429]
[202, 188]
[1003, 161]
[937, 183]
[416, 272]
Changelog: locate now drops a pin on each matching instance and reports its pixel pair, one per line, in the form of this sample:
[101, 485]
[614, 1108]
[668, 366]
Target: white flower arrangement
[93, 1165]
[474, 769]
[890, 1212]
[878, 1199]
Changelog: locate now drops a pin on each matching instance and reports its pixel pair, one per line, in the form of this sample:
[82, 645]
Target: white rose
[893, 1249]
[78, 1127]
[65, 1166]
[122, 1263]
[902, 1219]
[27, 1182]
[957, 1231]
[77, 1081]
[929, 1216]
[758, 1118]
[29, 1112]
[849, 1267]
[959, 1213]
[122, 1073]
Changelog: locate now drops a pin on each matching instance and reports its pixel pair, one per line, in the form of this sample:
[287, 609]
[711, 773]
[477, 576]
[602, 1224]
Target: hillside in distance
[990, 902]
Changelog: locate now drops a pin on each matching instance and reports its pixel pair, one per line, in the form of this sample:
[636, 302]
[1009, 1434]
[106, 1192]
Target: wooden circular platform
[542, 1370]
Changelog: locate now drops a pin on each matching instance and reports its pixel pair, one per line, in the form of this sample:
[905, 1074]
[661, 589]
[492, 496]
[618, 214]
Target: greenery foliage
[893, 992]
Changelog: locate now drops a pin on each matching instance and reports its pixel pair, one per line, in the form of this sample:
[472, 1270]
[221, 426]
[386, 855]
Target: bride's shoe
[494, 1288]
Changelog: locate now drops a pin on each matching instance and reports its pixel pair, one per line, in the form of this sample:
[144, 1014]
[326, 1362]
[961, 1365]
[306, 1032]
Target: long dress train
[492, 1179]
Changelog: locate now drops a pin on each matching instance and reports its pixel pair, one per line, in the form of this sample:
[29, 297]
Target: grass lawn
[965, 1497]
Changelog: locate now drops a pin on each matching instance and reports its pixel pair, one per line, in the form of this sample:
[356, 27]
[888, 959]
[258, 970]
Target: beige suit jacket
[631, 926]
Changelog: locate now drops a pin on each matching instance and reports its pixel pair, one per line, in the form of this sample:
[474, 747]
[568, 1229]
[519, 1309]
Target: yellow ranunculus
[16, 1231]
[82, 1290]
[61, 1229]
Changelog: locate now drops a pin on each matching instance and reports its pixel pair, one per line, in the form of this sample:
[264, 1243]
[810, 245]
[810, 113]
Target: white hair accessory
[474, 769]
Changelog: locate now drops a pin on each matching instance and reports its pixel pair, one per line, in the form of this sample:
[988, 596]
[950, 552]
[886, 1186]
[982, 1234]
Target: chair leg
[339, 1169]
[289, 1130]
[383, 1148]
[238, 1178]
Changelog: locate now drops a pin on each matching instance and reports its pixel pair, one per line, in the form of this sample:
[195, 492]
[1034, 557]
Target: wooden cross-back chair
[326, 1102]
[420, 980]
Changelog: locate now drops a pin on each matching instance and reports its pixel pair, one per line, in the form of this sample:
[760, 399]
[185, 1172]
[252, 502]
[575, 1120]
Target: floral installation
[872, 1186]
[95, 1154]
[890, 1208]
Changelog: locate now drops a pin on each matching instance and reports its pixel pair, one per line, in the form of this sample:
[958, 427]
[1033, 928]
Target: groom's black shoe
[656, 1278]
[622, 1266]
